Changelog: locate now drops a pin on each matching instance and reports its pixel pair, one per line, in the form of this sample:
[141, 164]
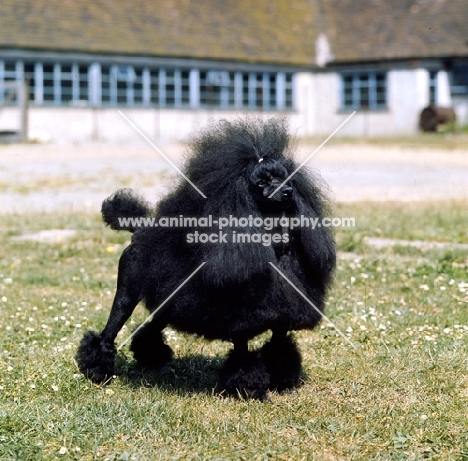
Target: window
[113, 85]
[289, 101]
[118, 85]
[57, 83]
[8, 73]
[216, 89]
[459, 79]
[364, 90]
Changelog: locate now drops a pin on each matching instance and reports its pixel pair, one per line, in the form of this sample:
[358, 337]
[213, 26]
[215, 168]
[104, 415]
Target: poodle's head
[241, 164]
[265, 180]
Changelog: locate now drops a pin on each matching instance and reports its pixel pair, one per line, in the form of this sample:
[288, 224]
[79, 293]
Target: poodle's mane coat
[220, 159]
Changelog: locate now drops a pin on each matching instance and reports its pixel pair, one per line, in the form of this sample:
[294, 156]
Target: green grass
[448, 139]
[57, 183]
[402, 394]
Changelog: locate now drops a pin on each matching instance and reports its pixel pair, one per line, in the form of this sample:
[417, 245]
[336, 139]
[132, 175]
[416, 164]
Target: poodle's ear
[244, 254]
[316, 244]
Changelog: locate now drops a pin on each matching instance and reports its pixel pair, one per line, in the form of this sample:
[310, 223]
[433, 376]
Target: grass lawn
[402, 394]
[446, 140]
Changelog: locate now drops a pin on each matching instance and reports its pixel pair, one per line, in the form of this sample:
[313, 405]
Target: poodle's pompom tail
[123, 210]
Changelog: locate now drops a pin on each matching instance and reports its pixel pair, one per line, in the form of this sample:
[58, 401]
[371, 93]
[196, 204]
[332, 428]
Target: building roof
[370, 30]
[264, 31]
[291, 32]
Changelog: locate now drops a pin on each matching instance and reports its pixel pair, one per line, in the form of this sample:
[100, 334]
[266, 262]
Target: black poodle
[237, 294]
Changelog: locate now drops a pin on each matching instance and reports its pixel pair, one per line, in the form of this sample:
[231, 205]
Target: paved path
[78, 177]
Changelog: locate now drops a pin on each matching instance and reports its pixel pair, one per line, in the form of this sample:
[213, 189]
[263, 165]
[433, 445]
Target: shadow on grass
[195, 374]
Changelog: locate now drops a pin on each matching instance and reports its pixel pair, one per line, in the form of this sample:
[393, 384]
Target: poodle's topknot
[228, 148]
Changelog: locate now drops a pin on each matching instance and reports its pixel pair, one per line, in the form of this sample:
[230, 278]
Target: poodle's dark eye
[261, 183]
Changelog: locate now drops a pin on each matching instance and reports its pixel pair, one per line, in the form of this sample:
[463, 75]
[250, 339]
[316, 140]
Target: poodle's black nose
[286, 191]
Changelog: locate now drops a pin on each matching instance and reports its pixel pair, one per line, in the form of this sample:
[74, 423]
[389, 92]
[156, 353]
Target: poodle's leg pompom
[149, 348]
[95, 357]
[283, 362]
[245, 375]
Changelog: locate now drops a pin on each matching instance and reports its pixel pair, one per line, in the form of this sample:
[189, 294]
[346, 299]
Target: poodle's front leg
[244, 373]
[96, 352]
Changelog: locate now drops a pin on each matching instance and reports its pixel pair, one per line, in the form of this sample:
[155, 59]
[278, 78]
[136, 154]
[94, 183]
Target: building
[172, 64]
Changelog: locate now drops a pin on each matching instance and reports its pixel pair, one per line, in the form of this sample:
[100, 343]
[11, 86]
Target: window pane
[272, 90]
[381, 90]
[364, 97]
[31, 80]
[185, 82]
[245, 90]
[83, 83]
[289, 91]
[48, 82]
[348, 97]
[459, 79]
[154, 86]
[138, 87]
[363, 80]
[216, 88]
[259, 90]
[364, 90]
[170, 88]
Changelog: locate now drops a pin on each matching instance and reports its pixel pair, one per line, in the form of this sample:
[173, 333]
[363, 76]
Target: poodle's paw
[245, 375]
[95, 357]
[283, 362]
[150, 351]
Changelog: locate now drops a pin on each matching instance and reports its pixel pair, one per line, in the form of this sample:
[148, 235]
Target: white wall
[444, 98]
[107, 125]
[318, 101]
[460, 105]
